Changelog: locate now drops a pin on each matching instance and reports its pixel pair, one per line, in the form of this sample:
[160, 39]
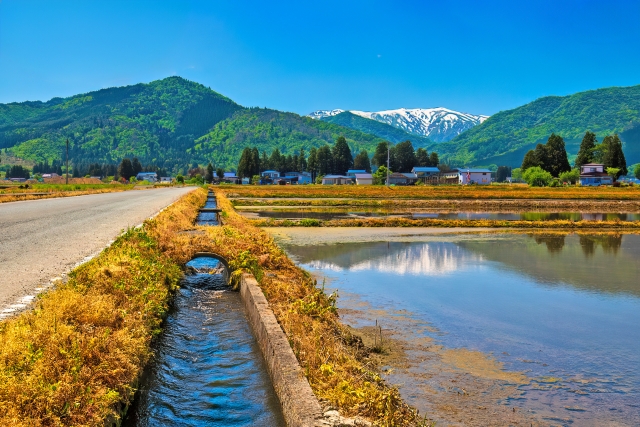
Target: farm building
[474, 176]
[147, 176]
[407, 178]
[337, 180]
[593, 174]
[299, 177]
[364, 179]
[427, 174]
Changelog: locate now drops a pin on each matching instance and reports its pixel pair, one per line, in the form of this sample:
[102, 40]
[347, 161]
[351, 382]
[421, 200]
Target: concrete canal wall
[300, 406]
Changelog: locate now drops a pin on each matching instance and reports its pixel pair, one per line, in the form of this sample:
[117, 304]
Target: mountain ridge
[438, 124]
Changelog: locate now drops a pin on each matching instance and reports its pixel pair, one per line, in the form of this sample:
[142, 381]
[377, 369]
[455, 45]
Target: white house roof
[364, 176]
[336, 176]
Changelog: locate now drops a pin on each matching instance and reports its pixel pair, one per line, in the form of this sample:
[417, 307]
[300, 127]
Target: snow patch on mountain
[438, 124]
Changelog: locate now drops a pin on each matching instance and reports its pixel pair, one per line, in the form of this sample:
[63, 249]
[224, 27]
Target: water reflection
[565, 309]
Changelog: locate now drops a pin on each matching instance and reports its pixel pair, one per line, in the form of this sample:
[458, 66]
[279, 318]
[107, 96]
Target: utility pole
[67, 174]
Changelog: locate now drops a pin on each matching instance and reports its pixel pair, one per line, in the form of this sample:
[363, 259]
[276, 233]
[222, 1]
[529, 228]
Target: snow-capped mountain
[438, 124]
[321, 114]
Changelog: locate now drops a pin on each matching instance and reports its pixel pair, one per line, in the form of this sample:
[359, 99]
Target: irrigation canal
[208, 368]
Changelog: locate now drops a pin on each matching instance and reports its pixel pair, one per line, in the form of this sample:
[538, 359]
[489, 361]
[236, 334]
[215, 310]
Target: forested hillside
[171, 123]
[268, 129]
[505, 137]
[382, 130]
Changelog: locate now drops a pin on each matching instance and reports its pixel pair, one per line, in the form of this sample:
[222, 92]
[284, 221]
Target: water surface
[208, 369]
[565, 310]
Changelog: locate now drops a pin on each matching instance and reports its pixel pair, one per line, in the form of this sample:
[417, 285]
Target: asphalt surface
[43, 239]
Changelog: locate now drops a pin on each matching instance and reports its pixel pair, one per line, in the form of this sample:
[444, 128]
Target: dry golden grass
[336, 363]
[516, 191]
[448, 223]
[73, 359]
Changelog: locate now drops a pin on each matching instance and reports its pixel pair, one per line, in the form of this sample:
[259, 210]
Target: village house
[427, 174]
[352, 172]
[270, 174]
[299, 177]
[147, 176]
[337, 180]
[474, 176]
[593, 174]
[364, 179]
[231, 178]
[406, 178]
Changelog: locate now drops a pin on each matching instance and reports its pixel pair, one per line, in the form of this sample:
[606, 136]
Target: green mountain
[171, 123]
[505, 137]
[382, 130]
[270, 129]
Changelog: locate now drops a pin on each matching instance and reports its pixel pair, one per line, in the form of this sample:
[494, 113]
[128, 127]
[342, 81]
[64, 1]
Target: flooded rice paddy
[329, 214]
[487, 329]
[208, 369]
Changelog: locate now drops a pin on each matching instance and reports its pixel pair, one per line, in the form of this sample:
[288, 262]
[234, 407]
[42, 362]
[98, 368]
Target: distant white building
[147, 176]
[474, 176]
[364, 179]
[337, 180]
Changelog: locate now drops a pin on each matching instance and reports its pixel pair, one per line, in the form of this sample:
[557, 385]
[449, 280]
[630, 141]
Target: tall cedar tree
[612, 154]
[255, 162]
[529, 160]
[503, 173]
[585, 154]
[325, 165]
[302, 161]
[312, 163]
[137, 167]
[208, 177]
[220, 173]
[125, 170]
[556, 156]
[422, 157]
[361, 162]
[277, 161]
[244, 165]
[405, 157]
[342, 158]
[380, 155]
[433, 159]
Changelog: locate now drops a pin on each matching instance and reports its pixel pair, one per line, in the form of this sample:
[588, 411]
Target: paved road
[42, 239]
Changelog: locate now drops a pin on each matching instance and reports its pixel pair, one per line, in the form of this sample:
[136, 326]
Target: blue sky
[473, 56]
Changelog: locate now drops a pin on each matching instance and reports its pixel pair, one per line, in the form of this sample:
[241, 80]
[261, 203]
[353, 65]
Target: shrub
[555, 182]
[571, 177]
[309, 222]
[537, 177]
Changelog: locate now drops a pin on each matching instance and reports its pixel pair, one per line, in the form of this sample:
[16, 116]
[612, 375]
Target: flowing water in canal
[545, 326]
[208, 369]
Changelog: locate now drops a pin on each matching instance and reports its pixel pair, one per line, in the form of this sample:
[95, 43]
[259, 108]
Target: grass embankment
[516, 191]
[336, 363]
[449, 223]
[46, 191]
[73, 359]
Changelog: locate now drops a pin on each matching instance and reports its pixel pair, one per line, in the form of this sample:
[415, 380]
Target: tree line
[550, 160]
[336, 160]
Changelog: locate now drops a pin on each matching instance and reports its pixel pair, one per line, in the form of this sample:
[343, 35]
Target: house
[427, 174]
[299, 177]
[246, 181]
[406, 178]
[474, 176]
[352, 172]
[364, 179]
[147, 176]
[593, 174]
[18, 179]
[165, 180]
[337, 180]
[50, 175]
[231, 178]
[270, 174]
